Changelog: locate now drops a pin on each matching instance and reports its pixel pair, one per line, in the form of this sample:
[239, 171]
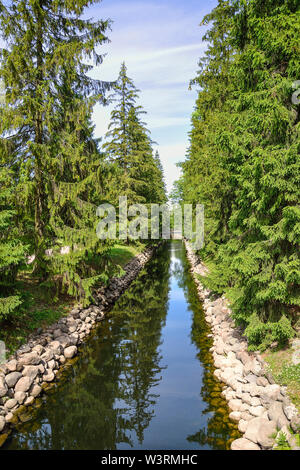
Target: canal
[143, 380]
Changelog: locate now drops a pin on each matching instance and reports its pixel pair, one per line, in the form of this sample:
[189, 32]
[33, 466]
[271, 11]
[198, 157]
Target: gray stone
[235, 416]
[30, 359]
[9, 417]
[290, 411]
[242, 426]
[48, 376]
[29, 401]
[48, 355]
[12, 378]
[273, 391]
[3, 387]
[12, 365]
[260, 431]
[244, 444]
[56, 347]
[246, 416]
[251, 378]
[11, 403]
[276, 414]
[256, 410]
[24, 384]
[2, 423]
[262, 381]
[64, 340]
[31, 371]
[255, 401]
[70, 352]
[36, 391]
[295, 423]
[20, 397]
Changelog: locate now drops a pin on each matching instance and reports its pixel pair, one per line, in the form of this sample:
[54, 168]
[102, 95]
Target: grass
[122, 254]
[42, 307]
[285, 372]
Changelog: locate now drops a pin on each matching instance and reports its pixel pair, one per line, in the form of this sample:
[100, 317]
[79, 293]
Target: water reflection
[145, 378]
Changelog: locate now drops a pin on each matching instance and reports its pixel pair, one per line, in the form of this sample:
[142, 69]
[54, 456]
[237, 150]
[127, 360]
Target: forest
[125, 343]
[243, 163]
[54, 173]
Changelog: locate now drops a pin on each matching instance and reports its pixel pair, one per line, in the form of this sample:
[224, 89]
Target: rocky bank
[259, 406]
[35, 365]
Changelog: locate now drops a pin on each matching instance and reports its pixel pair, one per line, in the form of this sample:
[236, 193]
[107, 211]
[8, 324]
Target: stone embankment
[259, 406]
[34, 366]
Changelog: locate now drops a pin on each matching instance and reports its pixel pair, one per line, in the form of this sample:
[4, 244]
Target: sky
[160, 42]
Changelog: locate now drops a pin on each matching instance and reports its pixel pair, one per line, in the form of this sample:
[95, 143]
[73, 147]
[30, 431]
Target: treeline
[53, 172]
[243, 162]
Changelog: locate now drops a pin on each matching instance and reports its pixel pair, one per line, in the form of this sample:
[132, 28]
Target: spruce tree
[45, 128]
[130, 147]
[243, 163]
[12, 247]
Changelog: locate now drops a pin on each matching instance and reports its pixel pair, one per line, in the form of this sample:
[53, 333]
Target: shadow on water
[144, 380]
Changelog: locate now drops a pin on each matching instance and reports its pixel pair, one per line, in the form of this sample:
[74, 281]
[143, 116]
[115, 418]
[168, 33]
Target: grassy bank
[284, 371]
[41, 305]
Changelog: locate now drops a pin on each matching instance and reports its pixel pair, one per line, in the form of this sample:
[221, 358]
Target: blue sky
[160, 41]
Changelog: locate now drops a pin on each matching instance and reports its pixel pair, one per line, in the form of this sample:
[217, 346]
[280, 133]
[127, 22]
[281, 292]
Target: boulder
[242, 426]
[256, 410]
[260, 431]
[2, 423]
[20, 397]
[29, 401]
[56, 347]
[48, 376]
[12, 365]
[244, 444]
[12, 378]
[295, 423]
[235, 404]
[35, 391]
[290, 411]
[276, 414]
[31, 371]
[24, 384]
[3, 387]
[11, 403]
[262, 381]
[70, 352]
[30, 359]
[235, 416]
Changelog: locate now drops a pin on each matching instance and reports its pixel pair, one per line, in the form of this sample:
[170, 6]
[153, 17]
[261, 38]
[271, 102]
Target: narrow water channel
[144, 380]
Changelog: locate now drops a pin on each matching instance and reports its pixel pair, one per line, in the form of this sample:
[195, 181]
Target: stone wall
[35, 365]
[259, 406]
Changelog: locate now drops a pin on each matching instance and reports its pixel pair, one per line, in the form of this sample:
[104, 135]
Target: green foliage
[12, 248]
[282, 442]
[46, 136]
[128, 145]
[262, 335]
[243, 161]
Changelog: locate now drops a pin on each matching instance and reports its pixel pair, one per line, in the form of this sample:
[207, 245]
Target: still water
[144, 380]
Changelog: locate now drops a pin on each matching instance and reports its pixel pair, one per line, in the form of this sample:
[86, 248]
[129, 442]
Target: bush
[261, 335]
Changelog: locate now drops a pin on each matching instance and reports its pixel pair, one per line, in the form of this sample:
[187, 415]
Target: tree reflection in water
[119, 388]
[107, 397]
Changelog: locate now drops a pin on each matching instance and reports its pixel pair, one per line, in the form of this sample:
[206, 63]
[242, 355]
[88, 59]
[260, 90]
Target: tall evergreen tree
[130, 147]
[45, 127]
[243, 162]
